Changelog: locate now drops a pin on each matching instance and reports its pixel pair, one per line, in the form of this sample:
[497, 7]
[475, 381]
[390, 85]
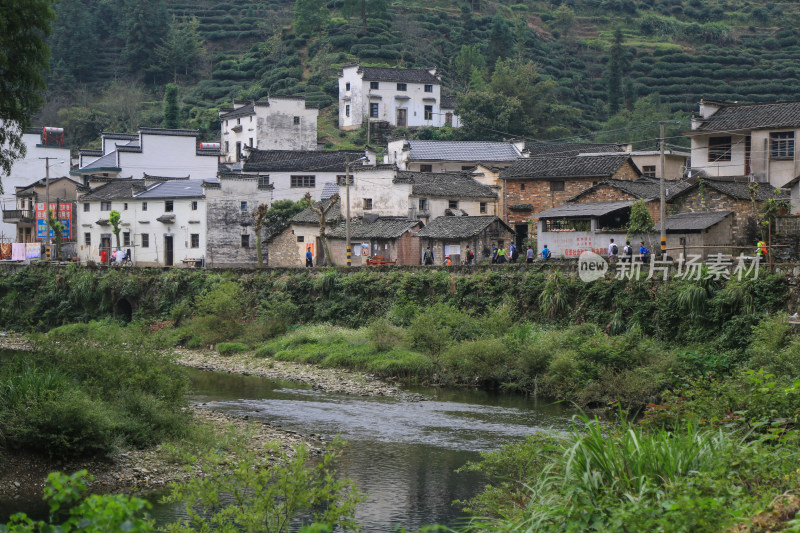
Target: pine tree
[307, 16]
[500, 41]
[171, 107]
[181, 49]
[144, 27]
[616, 62]
[75, 33]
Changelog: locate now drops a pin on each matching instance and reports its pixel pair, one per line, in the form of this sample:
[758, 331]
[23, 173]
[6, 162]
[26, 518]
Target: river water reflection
[402, 454]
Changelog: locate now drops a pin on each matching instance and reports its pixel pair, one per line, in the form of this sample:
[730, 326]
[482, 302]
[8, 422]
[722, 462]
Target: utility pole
[347, 199]
[47, 201]
[663, 210]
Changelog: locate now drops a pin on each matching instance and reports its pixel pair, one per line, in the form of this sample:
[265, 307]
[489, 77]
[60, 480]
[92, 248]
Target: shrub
[229, 348]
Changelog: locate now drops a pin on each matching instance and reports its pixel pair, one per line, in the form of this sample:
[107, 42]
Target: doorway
[168, 258]
[105, 246]
[402, 118]
[520, 235]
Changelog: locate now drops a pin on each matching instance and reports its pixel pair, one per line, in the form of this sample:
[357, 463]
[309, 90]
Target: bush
[229, 348]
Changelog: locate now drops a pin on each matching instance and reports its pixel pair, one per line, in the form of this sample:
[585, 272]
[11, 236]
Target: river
[403, 455]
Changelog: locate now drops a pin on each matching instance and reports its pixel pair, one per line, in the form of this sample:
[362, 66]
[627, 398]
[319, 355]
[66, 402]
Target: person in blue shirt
[644, 253]
[309, 258]
[546, 253]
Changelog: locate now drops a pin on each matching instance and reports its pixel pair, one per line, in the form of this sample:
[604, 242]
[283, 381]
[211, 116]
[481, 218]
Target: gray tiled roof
[469, 151]
[755, 116]
[575, 210]
[449, 184]
[382, 228]
[643, 188]
[120, 136]
[299, 160]
[740, 190]
[245, 110]
[448, 102]
[107, 161]
[309, 216]
[580, 166]
[694, 221]
[458, 227]
[174, 189]
[328, 190]
[408, 75]
[117, 189]
[556, 149]
[169, 132]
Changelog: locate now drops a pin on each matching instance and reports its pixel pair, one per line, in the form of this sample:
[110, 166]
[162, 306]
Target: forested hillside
[533, 68]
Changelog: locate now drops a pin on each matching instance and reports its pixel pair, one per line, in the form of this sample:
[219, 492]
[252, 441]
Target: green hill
[111, 60]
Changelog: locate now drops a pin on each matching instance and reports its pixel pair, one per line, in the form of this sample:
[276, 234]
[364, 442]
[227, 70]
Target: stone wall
[226, 222]
[282, 250]
[743, 224]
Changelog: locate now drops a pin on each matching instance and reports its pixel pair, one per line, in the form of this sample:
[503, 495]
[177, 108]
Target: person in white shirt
[613, 251]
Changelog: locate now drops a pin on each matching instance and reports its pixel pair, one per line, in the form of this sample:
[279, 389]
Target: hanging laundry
[5, 251]
[18, 251]
[33, 250]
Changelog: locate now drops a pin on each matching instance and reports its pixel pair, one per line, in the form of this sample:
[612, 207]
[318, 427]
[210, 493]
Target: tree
[171, 107]
[58, 230]
[24, 54]
[476, 82]
[308, 16]
[371, 8]
[563, 18]
[74, 34]
[640, 222]
[279, 214]
[122, 103]
[182, 48]
[321, 210]
[82, 125]
[488, 115]
[114, 220]
[143, 28]
[468, 57]
[500, 40]
[259, 217]
[616, 64]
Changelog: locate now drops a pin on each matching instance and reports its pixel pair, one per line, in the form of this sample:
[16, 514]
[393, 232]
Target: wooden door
[168, 257]
[402, 118]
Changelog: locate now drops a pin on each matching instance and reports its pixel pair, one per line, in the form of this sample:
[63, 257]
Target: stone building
[278, 123]
[288, 248]
[744, 199]
[645, 189]
[434, 195]
[532, 185]
[373, 235]
[451, 235]
[398, 97]
[230, 232]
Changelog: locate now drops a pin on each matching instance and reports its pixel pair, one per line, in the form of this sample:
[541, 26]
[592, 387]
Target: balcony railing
[17, 215]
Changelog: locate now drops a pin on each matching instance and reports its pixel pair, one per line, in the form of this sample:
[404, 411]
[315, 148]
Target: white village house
[279, 123]
[153, 151]
[451, 156]
[398, 97]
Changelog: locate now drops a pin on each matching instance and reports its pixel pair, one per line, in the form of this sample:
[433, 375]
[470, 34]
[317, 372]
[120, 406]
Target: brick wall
[283, 250]
[743, 215]
[407, 249]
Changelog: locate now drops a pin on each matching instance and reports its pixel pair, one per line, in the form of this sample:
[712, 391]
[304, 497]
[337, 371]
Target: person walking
[761, 249]
[627, 252]
[501, 254]
[470, 256]
[644, 253]
[613, 251]
[546, 253]
[512, 252]
[309, 258]
[494, 253]
[427, 256]
[529, 255]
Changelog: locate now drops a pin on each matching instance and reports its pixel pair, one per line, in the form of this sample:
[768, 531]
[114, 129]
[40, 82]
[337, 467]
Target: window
[296, 120]
[347, 110]
[227, 147]
[374, 85]
[168, 206]
[781, 145]
[144, 206]
[428, 112]
[402, 87]
[649, 171]
[87, 239]
[301, 238]
[448, 118]
[238, 121]
[263, 182]
[238, 151]
[429, 88]
[467, 167]
[367, 204]
[373, 110]
[105, 206]
[483, 208]
[556, 186]
[426, 168]
[250, 142]
[125, 206]
[423, 204]
[86, 207]
[347, 86]
[452, 204]
[303, 181]
[719, 149]
[194, 239]
[243, 207]
[126, 238]
[342, 180]
[194, 205]
[522, 186]
[245, 241]
[145, 240]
